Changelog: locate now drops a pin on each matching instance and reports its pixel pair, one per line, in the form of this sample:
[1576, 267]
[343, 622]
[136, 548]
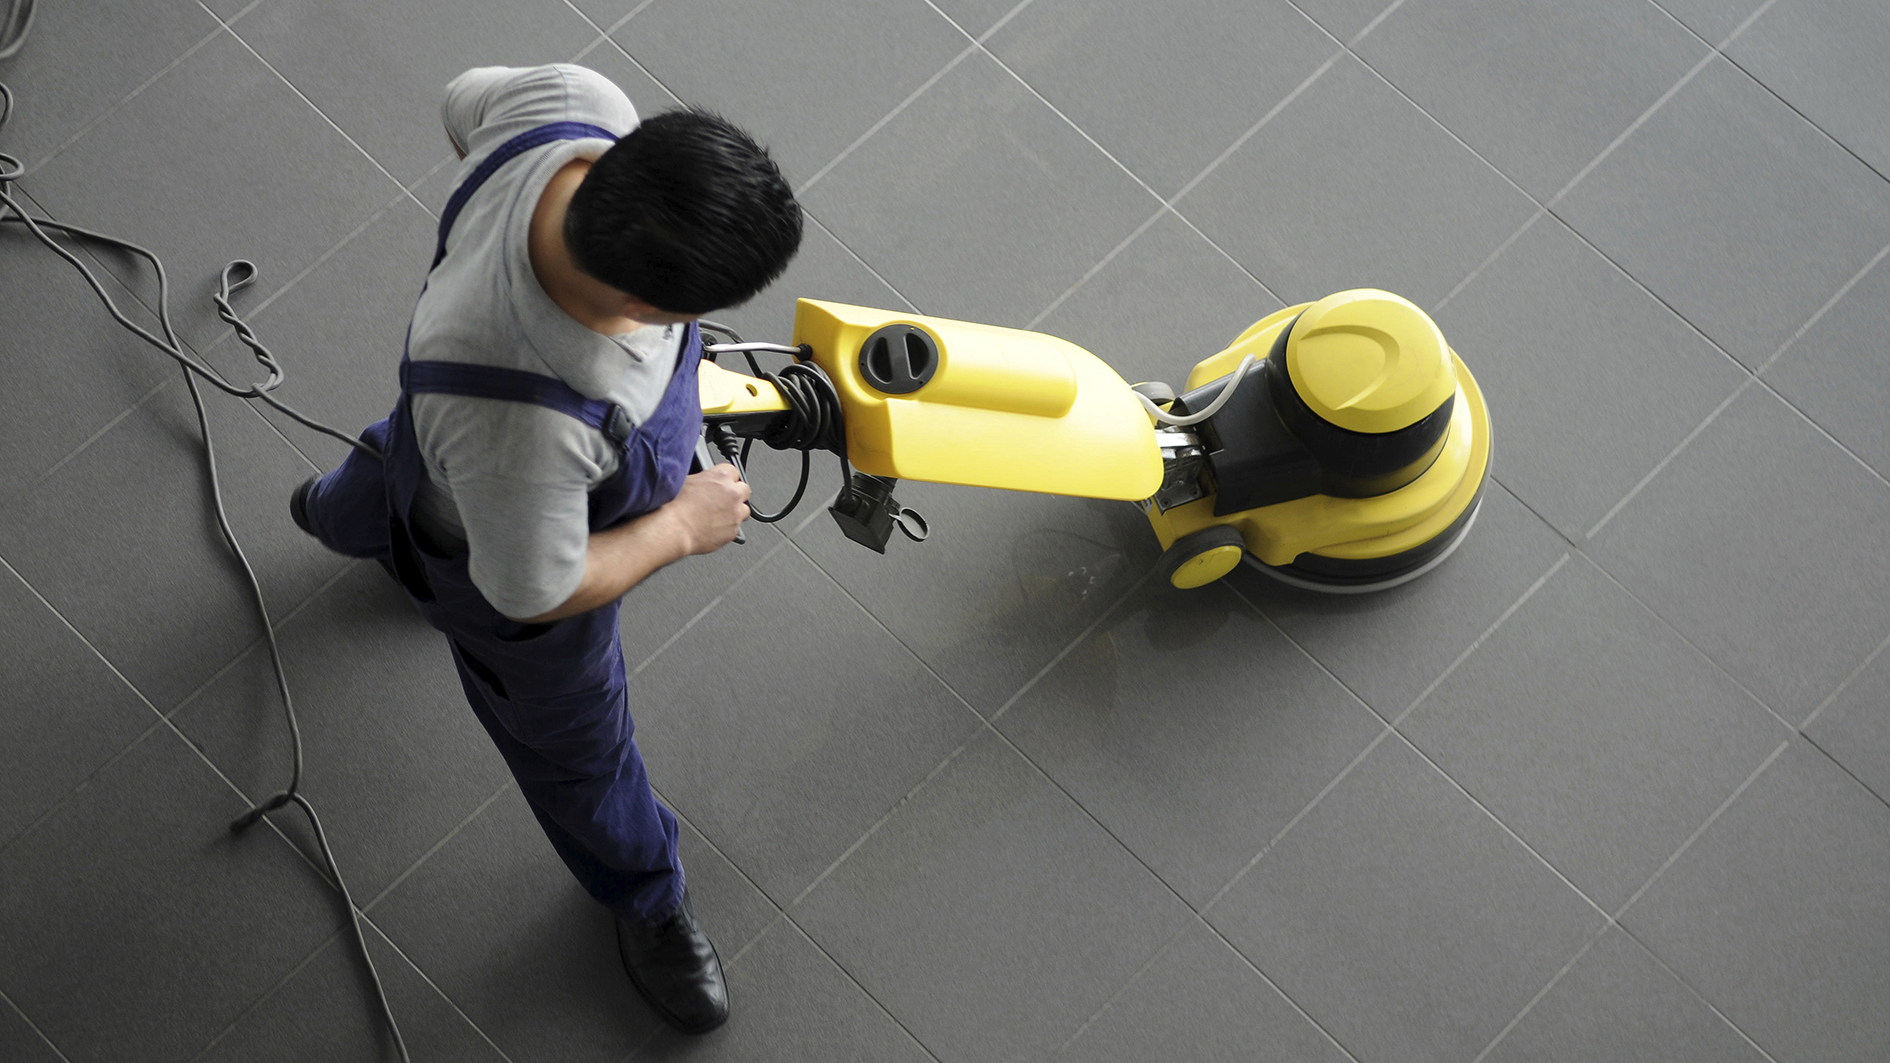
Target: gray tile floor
[1607, 786]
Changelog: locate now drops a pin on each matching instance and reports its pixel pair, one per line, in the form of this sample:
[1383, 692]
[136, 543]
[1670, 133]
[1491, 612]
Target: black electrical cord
[236, 276]
[815, 420]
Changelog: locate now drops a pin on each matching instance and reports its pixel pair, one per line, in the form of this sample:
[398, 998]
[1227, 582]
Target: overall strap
[514, 385]
[504, 153]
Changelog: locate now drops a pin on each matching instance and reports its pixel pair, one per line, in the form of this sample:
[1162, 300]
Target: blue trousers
[552, 696]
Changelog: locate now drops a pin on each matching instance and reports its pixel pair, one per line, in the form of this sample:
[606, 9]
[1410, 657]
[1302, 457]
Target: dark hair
[686, 212]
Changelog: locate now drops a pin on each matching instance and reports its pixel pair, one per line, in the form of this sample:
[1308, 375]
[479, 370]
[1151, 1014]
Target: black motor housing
[1267, 446]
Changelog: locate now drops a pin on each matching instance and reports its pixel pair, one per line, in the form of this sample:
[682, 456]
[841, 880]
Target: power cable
[235, 276]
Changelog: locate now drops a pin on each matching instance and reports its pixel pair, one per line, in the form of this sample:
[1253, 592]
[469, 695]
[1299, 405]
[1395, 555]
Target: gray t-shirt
[511, 480]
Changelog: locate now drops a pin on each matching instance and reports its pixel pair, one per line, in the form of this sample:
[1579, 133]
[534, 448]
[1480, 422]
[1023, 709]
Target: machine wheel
[1333, 575]
[1200, 558]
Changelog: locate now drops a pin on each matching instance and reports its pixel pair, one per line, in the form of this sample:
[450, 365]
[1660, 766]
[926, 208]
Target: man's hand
[710, 508]
[702, 518]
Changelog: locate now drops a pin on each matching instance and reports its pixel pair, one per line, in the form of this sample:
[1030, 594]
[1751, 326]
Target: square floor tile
[788, 1002]
[337, 332]
[1838, 372]
[1590, 381]
[328, 1011]
[393, 756]
[496, 921]
[379, 70]
[1192, 730]
[133, 924]
[1126, 75]
[1734, 211]
[1005, 582]
[1617, 1003]
[1775, 914]
[1389, 645]
[1201, 1002]
[785, 723]
[1167, 301]
[1402, 918]
[977, 201]
[1395, 203]
[806, 80]
[1594, 732]
[72, 368]
[1825, 57]
[136, 504]
[1767, 547]
[67, 713]
[1854, 729]
[1537, 89]
[20, 1042]
[79, 61]
[255, 173]
[989, 915]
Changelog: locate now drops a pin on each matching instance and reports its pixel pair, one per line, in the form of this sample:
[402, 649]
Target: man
[537, 464]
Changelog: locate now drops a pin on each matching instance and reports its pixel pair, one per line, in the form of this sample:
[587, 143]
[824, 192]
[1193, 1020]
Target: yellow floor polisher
[1339, 445]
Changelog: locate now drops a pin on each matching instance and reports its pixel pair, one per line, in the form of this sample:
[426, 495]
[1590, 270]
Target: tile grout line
[1613, 920]
[885, 119]
[431, 984]
[1268, 979]
[1505, 827]
[1592, 939]
[603, 34]
[1737, 65]
[707, 609]
[986, 725]
[1540, 582]
[1842, 687]
[434, 848]
[96, 121]
[1491, 257]
[258, 640]
[1668, 460]
[782, 916]
[1280, 835]
[844, 246]
[977, 44]
[1700, 830]
[1128, 984]
[33, 1026]
[263, 997]
[1703, 655]
[883, 819]
[1389, 728]
[385, 172]
[1697, 995]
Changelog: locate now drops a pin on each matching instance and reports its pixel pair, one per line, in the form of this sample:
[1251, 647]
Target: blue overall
[552, 696]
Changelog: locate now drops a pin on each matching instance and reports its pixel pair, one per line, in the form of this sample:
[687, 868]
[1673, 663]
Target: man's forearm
[620, 558]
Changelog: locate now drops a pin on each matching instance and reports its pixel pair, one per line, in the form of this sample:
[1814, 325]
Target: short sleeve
[488, 105]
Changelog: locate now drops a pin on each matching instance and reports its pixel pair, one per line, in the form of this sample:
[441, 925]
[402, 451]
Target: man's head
[687, 214]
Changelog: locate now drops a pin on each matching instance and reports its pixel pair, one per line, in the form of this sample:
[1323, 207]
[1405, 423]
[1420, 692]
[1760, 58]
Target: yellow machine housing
[1367, 362]
[1360, 372]
[999, 407]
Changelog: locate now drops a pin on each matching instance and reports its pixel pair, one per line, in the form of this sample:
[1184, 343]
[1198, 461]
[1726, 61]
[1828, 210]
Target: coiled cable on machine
[814, 418]
[235, 277]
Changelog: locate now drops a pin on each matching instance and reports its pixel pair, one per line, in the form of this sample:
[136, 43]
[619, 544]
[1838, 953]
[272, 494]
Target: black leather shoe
[298, 504]
[676, 969]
